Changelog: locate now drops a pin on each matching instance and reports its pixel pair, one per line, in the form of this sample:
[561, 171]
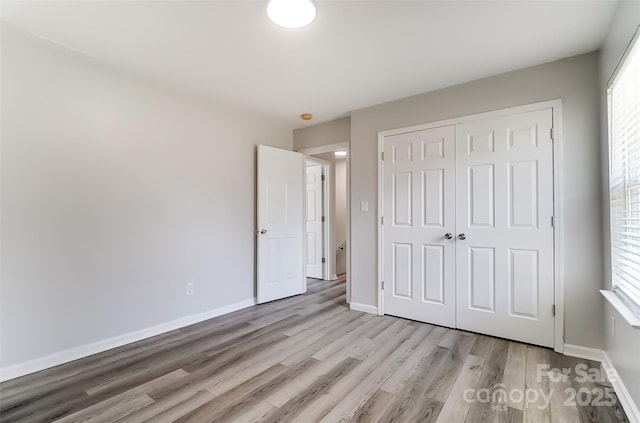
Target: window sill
[622, 308]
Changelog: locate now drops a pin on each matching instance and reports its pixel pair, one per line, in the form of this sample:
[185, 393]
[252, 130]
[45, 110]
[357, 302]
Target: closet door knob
[448, 235]
[462, 237]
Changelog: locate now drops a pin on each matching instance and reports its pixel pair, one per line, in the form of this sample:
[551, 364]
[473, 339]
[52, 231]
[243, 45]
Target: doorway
[317, 218]
[331, 164]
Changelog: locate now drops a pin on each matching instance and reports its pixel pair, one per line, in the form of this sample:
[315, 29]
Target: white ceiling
[356, 53]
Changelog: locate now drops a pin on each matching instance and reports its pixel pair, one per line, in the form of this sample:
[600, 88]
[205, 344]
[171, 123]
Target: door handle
[462, 237]
[263, 231]
[448, 235]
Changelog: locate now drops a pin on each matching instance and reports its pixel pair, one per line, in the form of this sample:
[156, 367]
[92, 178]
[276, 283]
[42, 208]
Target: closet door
[504, 243]
[418, 200]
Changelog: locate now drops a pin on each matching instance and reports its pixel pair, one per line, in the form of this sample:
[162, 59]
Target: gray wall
[624, 347]
[116, 192]
[575, 80]
[327, 133]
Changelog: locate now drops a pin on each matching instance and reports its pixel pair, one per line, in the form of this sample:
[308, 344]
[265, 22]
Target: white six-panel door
[314, 222]
[488, 183]
[280, 224]
[419, 260]
[504, 206]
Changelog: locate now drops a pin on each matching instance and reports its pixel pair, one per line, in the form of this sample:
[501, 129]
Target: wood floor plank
[491, 376]
[53, 385]
[536, 409]
[310, 322]
[234, 405]
[374, 408]
[561, 411]
[121, 409]
[306, 358]
[513, 415]
[397, 352]
[329, 336]
[384, 323]
[439, 389]
[169, 409]
[514, 372]
[457, 405]
[293, 408]
[449, 339]
[367, 322]
[141, 390]
[483, 346]
[256, 413]
[324, 401]
[411, 365]
[380, 340]
[428, 411]
[235, 375]
[590, 399]
[52, 395]
[401, 346]
[200, 377]
[407, 402]
[311, 375]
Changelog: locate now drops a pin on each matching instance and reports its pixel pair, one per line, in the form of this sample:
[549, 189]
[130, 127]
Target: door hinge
[553, 310]
[324, 260]
[322, 178]
[323, 218]
[551, 133]
[553, 221]
[382, 156]
[382, 220]
[382, 285]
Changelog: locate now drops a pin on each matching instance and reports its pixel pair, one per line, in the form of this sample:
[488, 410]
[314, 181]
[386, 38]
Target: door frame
[327, 149]
[326, 212]
[558, 196]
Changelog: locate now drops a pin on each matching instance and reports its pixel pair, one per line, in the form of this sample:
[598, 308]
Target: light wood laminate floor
[311, 359]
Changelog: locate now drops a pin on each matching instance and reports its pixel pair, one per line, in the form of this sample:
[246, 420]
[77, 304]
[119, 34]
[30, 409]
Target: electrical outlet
[613, 326]
[189, 289]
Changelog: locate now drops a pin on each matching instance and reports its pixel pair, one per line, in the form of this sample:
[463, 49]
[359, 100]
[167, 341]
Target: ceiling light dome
[291, 13]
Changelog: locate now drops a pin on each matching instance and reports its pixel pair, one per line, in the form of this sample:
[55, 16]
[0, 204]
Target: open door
[280, 224]
[315, 222]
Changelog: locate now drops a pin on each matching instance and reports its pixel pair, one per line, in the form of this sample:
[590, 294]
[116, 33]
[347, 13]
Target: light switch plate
[364, 206]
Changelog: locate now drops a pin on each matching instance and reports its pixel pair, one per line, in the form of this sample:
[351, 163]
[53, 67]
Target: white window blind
[624, 127]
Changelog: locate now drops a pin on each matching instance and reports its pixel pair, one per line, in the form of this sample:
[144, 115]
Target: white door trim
[326, 149]
[327, 238]
[558, 191]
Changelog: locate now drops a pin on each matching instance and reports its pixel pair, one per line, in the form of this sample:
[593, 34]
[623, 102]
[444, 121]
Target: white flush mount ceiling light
[341, 153]
[291, 14]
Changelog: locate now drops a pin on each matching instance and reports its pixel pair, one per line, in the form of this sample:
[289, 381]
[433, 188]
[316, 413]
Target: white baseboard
[629, 406]
[82, 351]
[584, 352]
[363, 307]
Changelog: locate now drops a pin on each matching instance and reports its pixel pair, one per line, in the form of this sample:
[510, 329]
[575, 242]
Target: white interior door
[419, 197]
[489, 184]
[314, 222]
[280, 224]
[504, 250]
